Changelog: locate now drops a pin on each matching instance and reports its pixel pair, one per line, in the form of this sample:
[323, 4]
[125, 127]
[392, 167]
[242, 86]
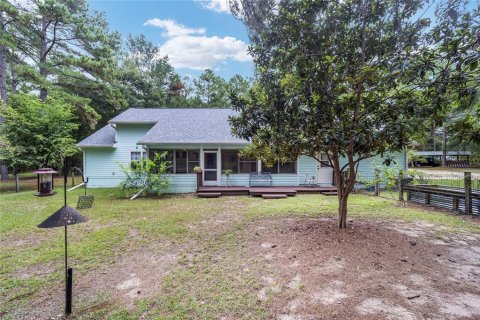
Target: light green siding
[101, 165]
[307, 167]
[366, 168]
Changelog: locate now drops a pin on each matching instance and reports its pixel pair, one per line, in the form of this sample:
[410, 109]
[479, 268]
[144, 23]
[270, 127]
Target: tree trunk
[3, 66]
[3, 88]
[342, 211]
[444, 146]
[433, 139]
[43, 60]
[344, 188]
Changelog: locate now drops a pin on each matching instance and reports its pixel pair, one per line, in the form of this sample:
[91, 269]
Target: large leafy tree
[333, 79]
[148, 80]
[62, 46]
[449, 69]
[211, 90]
[37, 133]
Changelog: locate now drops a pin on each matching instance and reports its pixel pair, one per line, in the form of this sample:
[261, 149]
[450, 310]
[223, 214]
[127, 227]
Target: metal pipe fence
[451, 192]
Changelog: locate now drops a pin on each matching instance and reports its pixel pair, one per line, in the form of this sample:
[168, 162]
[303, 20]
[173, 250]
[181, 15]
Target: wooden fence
[458, 194]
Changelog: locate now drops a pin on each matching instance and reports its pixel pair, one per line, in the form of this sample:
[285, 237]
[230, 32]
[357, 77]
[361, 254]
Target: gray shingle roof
[105, 137]
[172, 126]
[191, 126]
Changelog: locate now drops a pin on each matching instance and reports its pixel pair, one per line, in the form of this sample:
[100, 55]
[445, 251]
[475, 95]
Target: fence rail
[456, 193]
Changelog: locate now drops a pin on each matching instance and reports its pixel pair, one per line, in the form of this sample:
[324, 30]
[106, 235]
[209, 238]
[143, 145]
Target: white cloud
[172, 28]
[216, 5]
[189, 48]
[203, 52]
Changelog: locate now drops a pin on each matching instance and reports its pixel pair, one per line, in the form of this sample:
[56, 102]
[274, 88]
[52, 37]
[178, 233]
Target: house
[193, 137]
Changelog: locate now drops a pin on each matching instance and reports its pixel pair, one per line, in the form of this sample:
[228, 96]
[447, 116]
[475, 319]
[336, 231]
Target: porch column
[201, 163]
[259, 165]
[219, 165]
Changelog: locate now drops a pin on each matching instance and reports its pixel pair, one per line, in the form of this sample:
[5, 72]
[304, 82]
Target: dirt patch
[122, 282]
[374, 270]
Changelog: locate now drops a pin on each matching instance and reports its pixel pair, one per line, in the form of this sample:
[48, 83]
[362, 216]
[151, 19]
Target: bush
[147, 175]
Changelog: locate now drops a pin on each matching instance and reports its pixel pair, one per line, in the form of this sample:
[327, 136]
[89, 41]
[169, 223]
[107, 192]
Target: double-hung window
[136, 157]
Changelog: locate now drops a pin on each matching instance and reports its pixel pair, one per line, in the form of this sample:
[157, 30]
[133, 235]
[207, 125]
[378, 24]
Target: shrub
[147, 175]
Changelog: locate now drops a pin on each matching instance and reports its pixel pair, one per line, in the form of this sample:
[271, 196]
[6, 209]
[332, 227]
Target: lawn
[182, 257]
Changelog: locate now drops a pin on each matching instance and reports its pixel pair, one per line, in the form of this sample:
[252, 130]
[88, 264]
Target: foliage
[227, 172]
[332, 79]
[60, 45]
[148, 80]
[147, 175]
[211, 90]
[197, 169]
[449, 72]
[37, 133]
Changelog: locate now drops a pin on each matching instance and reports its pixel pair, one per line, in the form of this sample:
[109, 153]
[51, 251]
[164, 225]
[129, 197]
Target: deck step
[329, 193]
[209, 194]
[274, 196]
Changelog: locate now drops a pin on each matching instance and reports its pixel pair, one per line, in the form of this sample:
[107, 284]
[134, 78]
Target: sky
[194, 34]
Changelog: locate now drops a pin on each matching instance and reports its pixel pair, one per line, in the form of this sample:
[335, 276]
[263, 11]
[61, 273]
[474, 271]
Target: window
[182, 161]
[247, 165]
[324, 162]
[279, 167]
[232, 161]
[136, 157]
[193, 159]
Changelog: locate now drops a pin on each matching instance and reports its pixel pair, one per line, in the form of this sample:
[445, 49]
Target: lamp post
[62, 218]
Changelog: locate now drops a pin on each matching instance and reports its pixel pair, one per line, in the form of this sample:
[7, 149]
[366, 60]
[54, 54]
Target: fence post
[377, 182]
[17, 183]
[400, 186]
[468, 192]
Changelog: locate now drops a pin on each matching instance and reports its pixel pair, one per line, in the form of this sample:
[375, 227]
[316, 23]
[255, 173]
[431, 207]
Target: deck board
[259, 191]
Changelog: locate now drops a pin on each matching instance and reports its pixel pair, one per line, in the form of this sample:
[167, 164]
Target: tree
[450, 72]
[211, 90]
[239, 85]
[37, 133]
[332, 78]
[148, 80]
[62, 46]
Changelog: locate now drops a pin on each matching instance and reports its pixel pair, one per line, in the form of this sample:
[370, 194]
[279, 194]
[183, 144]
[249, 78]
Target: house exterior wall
[102, 165]
[366, 168]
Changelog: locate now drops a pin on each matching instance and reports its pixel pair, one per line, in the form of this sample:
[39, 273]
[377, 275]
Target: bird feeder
[45, 182]
[63, 217]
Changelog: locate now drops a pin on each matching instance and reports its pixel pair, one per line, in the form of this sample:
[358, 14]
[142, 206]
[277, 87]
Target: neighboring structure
[193, 137]
[434, 158]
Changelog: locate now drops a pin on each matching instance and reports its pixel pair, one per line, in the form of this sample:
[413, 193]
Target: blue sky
[194, 34]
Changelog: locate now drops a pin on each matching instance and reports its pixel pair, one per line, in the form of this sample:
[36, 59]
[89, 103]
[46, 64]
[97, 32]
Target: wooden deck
[259, 191]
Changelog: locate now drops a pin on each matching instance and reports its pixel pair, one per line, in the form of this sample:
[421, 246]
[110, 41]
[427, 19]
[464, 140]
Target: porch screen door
[210, 169]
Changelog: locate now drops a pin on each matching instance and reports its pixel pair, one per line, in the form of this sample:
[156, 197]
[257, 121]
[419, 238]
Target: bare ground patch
[374, 270]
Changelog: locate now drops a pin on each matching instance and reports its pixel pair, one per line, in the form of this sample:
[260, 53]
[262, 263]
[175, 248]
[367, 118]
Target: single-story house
[194, 137]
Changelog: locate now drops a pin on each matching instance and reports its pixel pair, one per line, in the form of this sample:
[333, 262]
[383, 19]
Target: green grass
[210, 284]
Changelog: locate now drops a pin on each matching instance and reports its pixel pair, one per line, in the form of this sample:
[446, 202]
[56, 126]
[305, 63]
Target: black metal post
[68, 304]
[68, 301]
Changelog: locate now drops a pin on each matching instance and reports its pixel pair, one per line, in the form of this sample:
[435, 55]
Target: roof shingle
[172, 126]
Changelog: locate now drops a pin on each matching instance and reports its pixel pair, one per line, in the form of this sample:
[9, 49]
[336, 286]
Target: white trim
[219, 165]
[246, 143]
[84, 165]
